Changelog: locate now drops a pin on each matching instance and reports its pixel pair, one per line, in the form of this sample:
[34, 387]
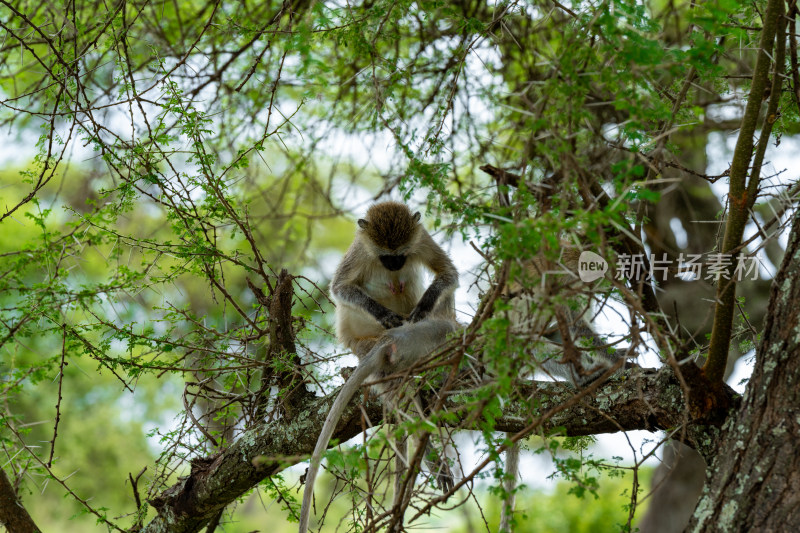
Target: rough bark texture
[754, 481]
[281, 359]
[265, 450]
[649, 401]
[679, 478]
[12, 514]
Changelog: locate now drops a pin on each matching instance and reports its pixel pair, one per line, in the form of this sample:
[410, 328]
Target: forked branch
[742, 193]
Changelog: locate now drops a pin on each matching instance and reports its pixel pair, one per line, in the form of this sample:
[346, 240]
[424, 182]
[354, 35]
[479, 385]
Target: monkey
[379, 285]
[557, 326]
[383, 315]
[547, 326]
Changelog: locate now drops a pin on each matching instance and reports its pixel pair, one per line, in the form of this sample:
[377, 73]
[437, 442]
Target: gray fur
[398, 349]
[510, 486]
[384, 314]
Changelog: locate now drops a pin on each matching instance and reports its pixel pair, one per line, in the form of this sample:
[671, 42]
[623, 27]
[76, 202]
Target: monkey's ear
[416, 216]
[362, 223]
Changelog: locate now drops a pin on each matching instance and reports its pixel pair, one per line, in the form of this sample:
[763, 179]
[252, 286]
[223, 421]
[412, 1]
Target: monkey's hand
[390, 319]
[419, 312]
[424, 305]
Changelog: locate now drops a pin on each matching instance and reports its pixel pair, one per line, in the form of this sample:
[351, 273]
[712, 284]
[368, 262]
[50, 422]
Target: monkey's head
[391, 230]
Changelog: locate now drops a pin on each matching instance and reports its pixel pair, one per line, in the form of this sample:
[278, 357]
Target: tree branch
[741, 195]
[643, 400]
[12, 513]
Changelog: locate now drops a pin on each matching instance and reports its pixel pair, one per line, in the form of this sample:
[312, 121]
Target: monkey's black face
[393, 262]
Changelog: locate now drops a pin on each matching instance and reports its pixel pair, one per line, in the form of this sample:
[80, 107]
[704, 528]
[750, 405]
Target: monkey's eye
[392, 262]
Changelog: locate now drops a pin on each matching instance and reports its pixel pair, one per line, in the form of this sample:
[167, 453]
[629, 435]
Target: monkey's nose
[393, 262]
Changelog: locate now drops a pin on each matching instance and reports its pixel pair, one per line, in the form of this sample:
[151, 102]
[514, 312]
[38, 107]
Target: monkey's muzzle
[393, 262]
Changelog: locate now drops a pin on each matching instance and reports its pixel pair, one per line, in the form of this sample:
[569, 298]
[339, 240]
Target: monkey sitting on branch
[384, 313]
[549, 307]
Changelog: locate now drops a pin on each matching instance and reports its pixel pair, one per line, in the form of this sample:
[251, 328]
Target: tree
[175, 226]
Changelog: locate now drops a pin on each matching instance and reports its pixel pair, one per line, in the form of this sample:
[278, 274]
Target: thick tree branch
[12, 514]
[649, 401]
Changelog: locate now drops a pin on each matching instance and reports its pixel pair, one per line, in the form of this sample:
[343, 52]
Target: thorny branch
[639, 402]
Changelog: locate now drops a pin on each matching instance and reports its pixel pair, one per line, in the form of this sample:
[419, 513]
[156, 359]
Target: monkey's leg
[510, 486]
[362, 346]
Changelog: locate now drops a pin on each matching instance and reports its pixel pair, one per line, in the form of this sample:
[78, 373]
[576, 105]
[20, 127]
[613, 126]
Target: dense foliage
[165, 161]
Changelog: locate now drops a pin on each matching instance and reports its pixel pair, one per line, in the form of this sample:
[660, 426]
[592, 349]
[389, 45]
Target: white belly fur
[399, 291]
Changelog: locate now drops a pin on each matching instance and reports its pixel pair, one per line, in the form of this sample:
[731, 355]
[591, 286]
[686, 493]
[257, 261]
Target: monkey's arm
[444, 282]
[356, 297]
[345, 288]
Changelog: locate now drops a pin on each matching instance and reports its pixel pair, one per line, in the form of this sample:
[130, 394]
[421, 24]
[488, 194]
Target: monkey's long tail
[362, 372]
[509, 486]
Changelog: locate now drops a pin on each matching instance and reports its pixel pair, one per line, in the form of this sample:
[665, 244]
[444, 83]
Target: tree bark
[754, 481]
[650, 401]
[12, 514]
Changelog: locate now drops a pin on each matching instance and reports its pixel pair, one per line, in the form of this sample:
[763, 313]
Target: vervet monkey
[383, 313]
[555, 325]
[546, 323]
[379, 283]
